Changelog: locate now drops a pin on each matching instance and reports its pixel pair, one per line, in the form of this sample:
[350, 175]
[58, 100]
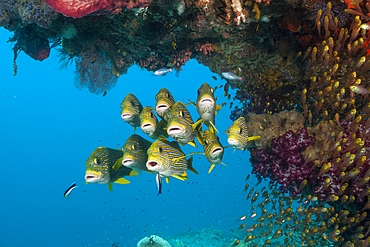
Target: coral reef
[153, 241]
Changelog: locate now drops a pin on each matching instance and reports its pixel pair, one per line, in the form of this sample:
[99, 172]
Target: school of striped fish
[160, 156]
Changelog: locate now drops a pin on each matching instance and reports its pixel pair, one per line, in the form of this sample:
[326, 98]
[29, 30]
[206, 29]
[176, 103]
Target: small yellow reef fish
[164, 100]
[238, 134]
[131, 108]
[180, 124]
[359, 89]
[99, 167]
[135, 153]
[149, 123]
[206, 107]
[213, 149]
[167, 159]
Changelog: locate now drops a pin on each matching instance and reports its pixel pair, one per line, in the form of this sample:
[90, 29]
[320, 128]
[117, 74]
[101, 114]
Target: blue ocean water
[49, 129]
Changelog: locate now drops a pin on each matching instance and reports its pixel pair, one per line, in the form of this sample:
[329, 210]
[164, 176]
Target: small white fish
[231, 76]
[69, 190]
[162, 71]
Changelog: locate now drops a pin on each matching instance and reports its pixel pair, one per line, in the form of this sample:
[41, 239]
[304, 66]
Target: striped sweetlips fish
[213, 150]
[167, 159]
[135, 153]
[131, 108]
[164, 100]
[238, 134]
[180, 125]
[103, 167]
[149, 123]
[206, 106]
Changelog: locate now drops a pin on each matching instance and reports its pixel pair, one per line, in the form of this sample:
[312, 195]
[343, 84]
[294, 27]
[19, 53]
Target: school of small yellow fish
[161, 156]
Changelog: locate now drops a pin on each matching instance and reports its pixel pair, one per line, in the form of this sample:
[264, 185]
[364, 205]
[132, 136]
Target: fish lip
[207, 101]
[162, 107]
[127, 162]
[126, 116]
[175, 130]
[90, 178]
[217, 150]
[147, 126]
[233, 142]
[152, 164]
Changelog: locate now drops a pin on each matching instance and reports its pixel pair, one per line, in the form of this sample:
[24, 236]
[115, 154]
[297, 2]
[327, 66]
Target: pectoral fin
[118, 164]
[167, 179]
[213, 129]
[110, 186]
[192, 143]
[133, 173]
[252, 138]
[227, 132]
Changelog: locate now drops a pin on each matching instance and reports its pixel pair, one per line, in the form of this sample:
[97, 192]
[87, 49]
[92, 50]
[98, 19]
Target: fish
[105, 92]
[149, 123]
[162, 71]
[135, 153]
[206, 107]
[69, 190]
[238, 134]
[213, 149]
[131, 109]
[180, 125]
[164, 100]
[158, 181]
[359, 89]
[231, 76]
[99, 167]
[167, 159]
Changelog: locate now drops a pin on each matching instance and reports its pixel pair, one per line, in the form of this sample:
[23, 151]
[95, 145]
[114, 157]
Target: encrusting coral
[153, 241]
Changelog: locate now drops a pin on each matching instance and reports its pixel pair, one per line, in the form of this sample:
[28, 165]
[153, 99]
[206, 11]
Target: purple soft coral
[285, 163]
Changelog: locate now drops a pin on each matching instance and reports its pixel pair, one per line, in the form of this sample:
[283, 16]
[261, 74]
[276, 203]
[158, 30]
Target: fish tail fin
[134, 129]
[190, 165]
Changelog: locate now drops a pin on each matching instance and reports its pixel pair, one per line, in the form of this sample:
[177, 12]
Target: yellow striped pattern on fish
[206, 106]
[213, 149]
[180, 124]
[131, 108]
[164, 100]
[135, 153]
[149, 123]
[99, 166]
[167, 159]
[238, 134]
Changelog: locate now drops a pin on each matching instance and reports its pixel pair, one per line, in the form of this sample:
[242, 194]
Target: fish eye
[160, 150]
[182, 114]
[132, 102]
[97, 161]
[168, 95]
[151, 114]
[211, 90]
[206, 142]
[134, 146]
[198, 91]
[240, 130]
